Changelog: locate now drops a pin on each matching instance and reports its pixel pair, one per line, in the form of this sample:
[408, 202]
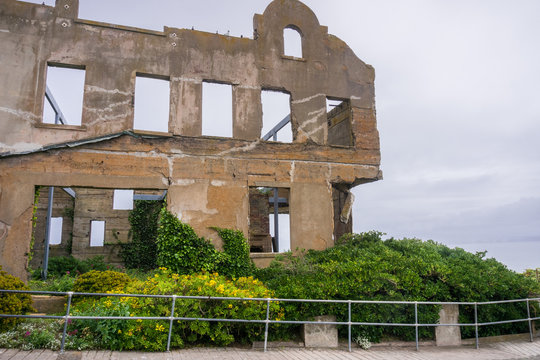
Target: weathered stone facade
[207, 178]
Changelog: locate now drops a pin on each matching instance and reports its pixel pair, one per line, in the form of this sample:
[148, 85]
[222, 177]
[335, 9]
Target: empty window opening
[97, 233]
[262, 215]
[339, 122]
[151, 104]
[217, 110]
[276, 109]
[292, 42]
[64, 93]
[123, 200]
[55, 231]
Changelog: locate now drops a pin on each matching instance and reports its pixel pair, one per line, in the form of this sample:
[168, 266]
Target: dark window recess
[262, 215]
[339, 122]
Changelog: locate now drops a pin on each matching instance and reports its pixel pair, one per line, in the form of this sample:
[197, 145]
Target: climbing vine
[140, 252]
[183, 252]
[34, 222]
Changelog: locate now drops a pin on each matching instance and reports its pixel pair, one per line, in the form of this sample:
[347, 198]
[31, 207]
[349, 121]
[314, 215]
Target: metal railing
[267, 321]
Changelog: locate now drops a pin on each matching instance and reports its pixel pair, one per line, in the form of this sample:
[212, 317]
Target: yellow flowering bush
[101, 282]
[11, 303]
[151, 335]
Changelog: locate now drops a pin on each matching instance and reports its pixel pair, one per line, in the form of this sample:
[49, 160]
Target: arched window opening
[292, 42]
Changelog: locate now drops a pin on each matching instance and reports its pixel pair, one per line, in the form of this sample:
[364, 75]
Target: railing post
[266, 325]
[416, 323]
[171, 323]
[530, 321]
[476, 324]
[66, 319]
[350, 324]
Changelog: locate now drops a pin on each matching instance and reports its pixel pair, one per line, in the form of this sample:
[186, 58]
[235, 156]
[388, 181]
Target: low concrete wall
[45, 304]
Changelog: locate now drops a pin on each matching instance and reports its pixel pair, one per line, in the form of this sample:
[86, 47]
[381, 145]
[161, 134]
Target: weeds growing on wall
[34, 222]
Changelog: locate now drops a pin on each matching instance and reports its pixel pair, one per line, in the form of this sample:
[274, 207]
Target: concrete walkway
[518, 349]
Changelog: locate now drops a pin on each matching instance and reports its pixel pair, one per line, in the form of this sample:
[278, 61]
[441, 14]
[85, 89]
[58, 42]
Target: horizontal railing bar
[271, 299]
[33, 316]
[80, 317]
[507, 301]
[503, 322]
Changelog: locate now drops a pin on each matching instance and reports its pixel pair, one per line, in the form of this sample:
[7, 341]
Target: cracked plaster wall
[208, 178]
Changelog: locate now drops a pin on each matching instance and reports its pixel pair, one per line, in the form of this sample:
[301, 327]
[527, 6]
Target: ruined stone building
[229, 182]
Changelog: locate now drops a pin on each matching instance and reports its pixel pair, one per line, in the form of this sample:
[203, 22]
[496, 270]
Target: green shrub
[141, 251]
[59, 266]
[61, 284]
[364, 267]
[101, 282]
[11, 303]
[151, 335]
[180, 249]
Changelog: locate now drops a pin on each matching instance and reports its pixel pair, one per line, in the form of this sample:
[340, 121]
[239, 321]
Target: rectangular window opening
[217, 109]
[339, 122]
[123, 200]
[276, 108]
[63, 102]
[262, 215]
[55, 231]
[97, 233]
[152, 102]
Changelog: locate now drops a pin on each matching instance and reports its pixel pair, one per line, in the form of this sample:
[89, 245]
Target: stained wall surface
[207, 178]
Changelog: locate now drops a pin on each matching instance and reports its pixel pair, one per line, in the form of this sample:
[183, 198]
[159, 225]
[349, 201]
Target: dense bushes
[152, 334]
[360, 266]
[101, 282]
[68, 265]
[180, 249]
[365, 267]
[11, 303]
[183, 252]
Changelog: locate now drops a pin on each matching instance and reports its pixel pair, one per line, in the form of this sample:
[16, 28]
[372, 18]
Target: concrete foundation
[448, 335]
[321, 336]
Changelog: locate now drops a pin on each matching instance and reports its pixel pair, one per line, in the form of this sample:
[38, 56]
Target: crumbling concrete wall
[97, 205]
[207, 178]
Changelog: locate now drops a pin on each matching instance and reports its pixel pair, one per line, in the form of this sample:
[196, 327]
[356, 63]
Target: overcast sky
[457, 89]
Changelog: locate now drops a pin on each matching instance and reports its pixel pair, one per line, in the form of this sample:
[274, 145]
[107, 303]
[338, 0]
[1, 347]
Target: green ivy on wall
[140, 252]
